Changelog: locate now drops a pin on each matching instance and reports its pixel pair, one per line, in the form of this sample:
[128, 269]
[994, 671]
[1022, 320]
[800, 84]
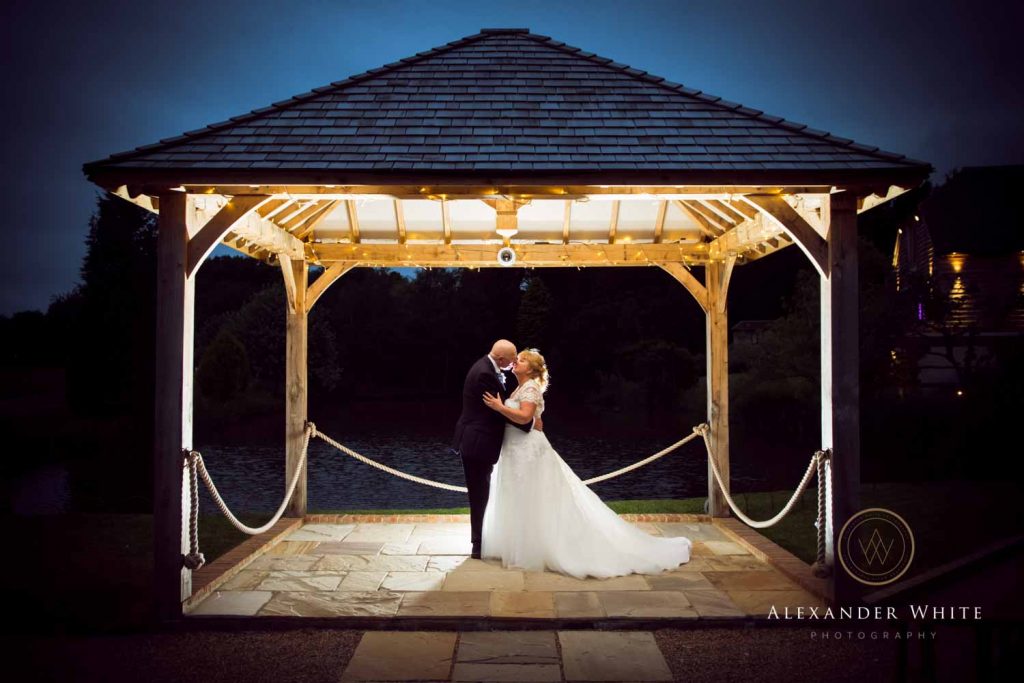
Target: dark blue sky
[932, 80]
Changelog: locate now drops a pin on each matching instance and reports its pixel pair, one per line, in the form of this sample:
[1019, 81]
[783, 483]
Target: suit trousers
[478, 481]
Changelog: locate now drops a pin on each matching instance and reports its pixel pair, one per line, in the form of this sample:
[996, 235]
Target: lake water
[252, 478]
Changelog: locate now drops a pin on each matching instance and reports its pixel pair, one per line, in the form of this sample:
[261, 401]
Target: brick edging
[780, 558]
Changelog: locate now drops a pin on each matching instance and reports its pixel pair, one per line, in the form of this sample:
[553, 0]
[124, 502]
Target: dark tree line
[624, 345]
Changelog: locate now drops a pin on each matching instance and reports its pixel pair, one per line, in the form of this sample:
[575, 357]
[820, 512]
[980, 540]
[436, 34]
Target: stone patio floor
[396, 570]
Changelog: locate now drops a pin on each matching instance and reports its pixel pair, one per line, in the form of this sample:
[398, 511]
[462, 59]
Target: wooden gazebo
[502, 139]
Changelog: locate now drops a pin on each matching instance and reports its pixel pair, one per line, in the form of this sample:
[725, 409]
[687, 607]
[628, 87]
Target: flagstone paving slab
[522, 604]
[300, 581]
[461, 563]
[404, 548]
[273, 563]
[233, 603]
[413, 581]
[657, 604]
[578, 605]
[402, 656]
[505, 580]
[507, 656]
[679, 581]
[612, 656]
[383, 533]
[508, 647]
[362, 581]
[750, 580]
[336, 604]
[713, 603]
[696, 564]
[321, 532]
[549, 581]
[384, 563]
[445, 546]
[350, 548]
[445, 604]
[294, 548]
[245, 580]
[760, 602]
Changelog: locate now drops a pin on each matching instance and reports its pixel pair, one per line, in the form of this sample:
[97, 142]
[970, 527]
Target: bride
[540, 515]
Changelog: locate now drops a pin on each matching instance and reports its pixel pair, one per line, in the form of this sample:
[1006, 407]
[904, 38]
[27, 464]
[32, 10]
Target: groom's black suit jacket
[479, 431]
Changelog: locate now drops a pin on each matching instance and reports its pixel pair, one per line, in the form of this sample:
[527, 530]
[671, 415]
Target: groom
[479, 431]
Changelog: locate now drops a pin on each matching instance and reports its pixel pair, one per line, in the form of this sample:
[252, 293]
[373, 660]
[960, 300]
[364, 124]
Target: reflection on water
[252, 478]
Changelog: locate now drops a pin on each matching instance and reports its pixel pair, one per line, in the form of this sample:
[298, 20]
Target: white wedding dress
[540, 515]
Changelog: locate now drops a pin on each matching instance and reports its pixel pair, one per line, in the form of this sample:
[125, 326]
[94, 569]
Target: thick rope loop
[728, 498]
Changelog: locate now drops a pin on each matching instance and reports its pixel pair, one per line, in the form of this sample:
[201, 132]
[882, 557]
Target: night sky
[933, 80]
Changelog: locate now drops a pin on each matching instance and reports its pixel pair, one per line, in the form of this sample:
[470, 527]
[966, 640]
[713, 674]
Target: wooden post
[716, 283]
[840, 381]
[296, 275]
[172, 427]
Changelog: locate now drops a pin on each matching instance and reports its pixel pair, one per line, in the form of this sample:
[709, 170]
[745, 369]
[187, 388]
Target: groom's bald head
[503, 352]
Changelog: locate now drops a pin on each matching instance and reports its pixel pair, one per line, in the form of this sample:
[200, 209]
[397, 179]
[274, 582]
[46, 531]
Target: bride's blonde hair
[538, 367]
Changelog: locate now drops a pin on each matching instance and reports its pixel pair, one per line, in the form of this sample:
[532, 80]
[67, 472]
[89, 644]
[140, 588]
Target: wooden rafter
[400, 221]
[714, 216]
[566, 221]
[353, 221]
[727, 210]
[239, 216]
[659, 221]
[613, 225]
[310, 224]
[709, 229]
[446, 221]
[301, 217]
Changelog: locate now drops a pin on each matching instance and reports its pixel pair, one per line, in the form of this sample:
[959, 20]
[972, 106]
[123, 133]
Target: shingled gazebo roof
[506, 106]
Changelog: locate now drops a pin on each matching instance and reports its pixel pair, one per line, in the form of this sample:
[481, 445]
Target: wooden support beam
[325, 280]
[353, 221]
[486, 255]
[683, 275]
[297, 219]
[659, 222]
[446, 221]
[310, 224]
[400, 221]
[716, 222]
[703, 223]
[506, 218]
[172, 426]
[280, 206]
[778, 210]
[716, 281]
[229, 217]
[727, 210]
[613, 225]
[566, 221]
[290, 285]
[840, 383]
[296, 388]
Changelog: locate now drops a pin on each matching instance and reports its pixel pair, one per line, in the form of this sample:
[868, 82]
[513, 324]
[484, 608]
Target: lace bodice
[530, 392]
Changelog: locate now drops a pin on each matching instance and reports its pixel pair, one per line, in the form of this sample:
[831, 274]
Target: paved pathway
[508, 656]
[423, 570]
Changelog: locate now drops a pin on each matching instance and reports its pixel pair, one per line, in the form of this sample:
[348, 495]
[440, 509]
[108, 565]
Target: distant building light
[959, 392]
[920, 311]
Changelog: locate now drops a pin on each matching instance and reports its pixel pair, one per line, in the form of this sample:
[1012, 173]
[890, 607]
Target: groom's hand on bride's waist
[538, 424]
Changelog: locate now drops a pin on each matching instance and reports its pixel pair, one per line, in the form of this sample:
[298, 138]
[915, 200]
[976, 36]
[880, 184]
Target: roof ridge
[757, 114]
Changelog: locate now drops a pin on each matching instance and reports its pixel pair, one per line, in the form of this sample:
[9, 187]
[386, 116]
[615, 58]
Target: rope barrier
[462, 489]
[194, 559]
